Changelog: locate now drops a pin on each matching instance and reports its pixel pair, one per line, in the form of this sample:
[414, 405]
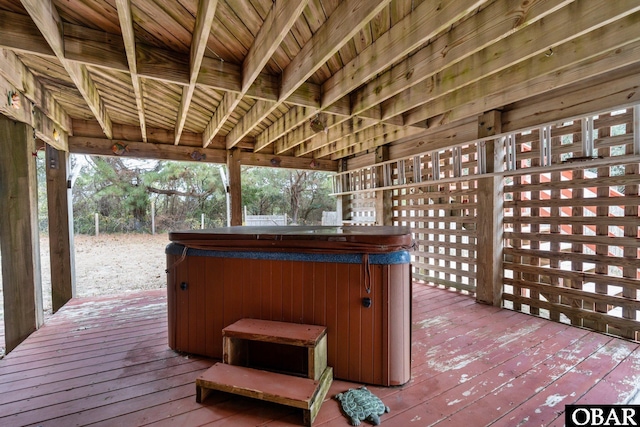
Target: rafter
[46, 18]
[340, 27]
[204, 20]
[126, 25]
[302, 134]
[495, 22]
[552, 74]
[372, 137]
[282, 16]
[535, 39]
[23, 81]
[572, 61]
[160, 64]
[425, 22]
[351, 126]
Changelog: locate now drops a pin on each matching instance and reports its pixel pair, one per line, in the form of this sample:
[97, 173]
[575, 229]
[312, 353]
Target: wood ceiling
[309, 79]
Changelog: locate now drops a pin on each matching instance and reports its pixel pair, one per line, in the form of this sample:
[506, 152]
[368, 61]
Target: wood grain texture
[54, 375]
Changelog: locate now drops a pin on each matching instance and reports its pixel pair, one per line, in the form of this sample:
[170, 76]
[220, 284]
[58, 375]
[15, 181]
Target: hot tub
[356, 281]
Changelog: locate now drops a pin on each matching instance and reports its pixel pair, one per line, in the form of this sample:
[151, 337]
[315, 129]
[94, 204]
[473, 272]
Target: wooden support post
[343, 204]
[235, 185]
[384, 201]
[490, 216]
[19, 240]
[63, 286]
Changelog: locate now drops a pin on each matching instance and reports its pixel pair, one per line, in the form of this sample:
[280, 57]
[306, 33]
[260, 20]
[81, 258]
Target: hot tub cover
[363, 239]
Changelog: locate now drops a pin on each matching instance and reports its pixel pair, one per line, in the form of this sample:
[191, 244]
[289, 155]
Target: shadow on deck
[105, 361]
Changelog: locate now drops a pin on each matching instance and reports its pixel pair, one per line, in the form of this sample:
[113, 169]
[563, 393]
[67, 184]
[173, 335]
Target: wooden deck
[105, 361]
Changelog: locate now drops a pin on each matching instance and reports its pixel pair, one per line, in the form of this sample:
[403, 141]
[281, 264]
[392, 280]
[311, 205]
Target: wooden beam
[148, 150]
[414, 30]
[370, 138]
[19, 241]
[290, 131]
[384, 198]
[335, 135]
[276, 26]
[287, 162]
[224, 110]
[159, 64]
[598, 52]
[60, 211]
[281, 17]
[617, 89]
[201, 32]
[18, 107]
[304, 134]
[292, 119]
[436, 138]
[423, 23]
[20, 79]
[235, 185]
[490, 212]
[128, 36]
[168, 151]
[340, 27]
[533, 41]
[48, 131]
[496, 21]
[46, 18]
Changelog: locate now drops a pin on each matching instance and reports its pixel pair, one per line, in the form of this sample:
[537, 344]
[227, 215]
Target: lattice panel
[442, 217]
[362, 208]
[571, 234]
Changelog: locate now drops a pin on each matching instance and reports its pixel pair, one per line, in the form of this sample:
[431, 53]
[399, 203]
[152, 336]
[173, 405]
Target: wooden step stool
[232, 376]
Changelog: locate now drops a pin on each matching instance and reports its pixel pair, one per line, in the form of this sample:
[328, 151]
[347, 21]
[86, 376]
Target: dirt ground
[109, 264]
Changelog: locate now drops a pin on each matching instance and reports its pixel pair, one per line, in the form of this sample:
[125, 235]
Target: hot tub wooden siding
[367, 345]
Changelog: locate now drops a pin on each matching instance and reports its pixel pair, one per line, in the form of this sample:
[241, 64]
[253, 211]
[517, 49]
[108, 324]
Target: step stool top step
[284, 389]
[297, 334]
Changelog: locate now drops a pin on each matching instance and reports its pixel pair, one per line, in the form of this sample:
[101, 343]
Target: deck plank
[105, 361]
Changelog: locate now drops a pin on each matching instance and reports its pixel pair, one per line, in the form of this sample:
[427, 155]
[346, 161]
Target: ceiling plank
[534, 39]
[276, 26]
[128, 37]
[46, 18]
[19, 33]
[158, 64]
[601, 51]
[204, 19]
[340, 27]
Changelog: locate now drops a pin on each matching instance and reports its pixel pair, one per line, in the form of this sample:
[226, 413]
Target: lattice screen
[571, 234]
[442, 216]
[571, 221]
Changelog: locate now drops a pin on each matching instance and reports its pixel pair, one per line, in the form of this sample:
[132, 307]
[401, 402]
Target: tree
[121, 190]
